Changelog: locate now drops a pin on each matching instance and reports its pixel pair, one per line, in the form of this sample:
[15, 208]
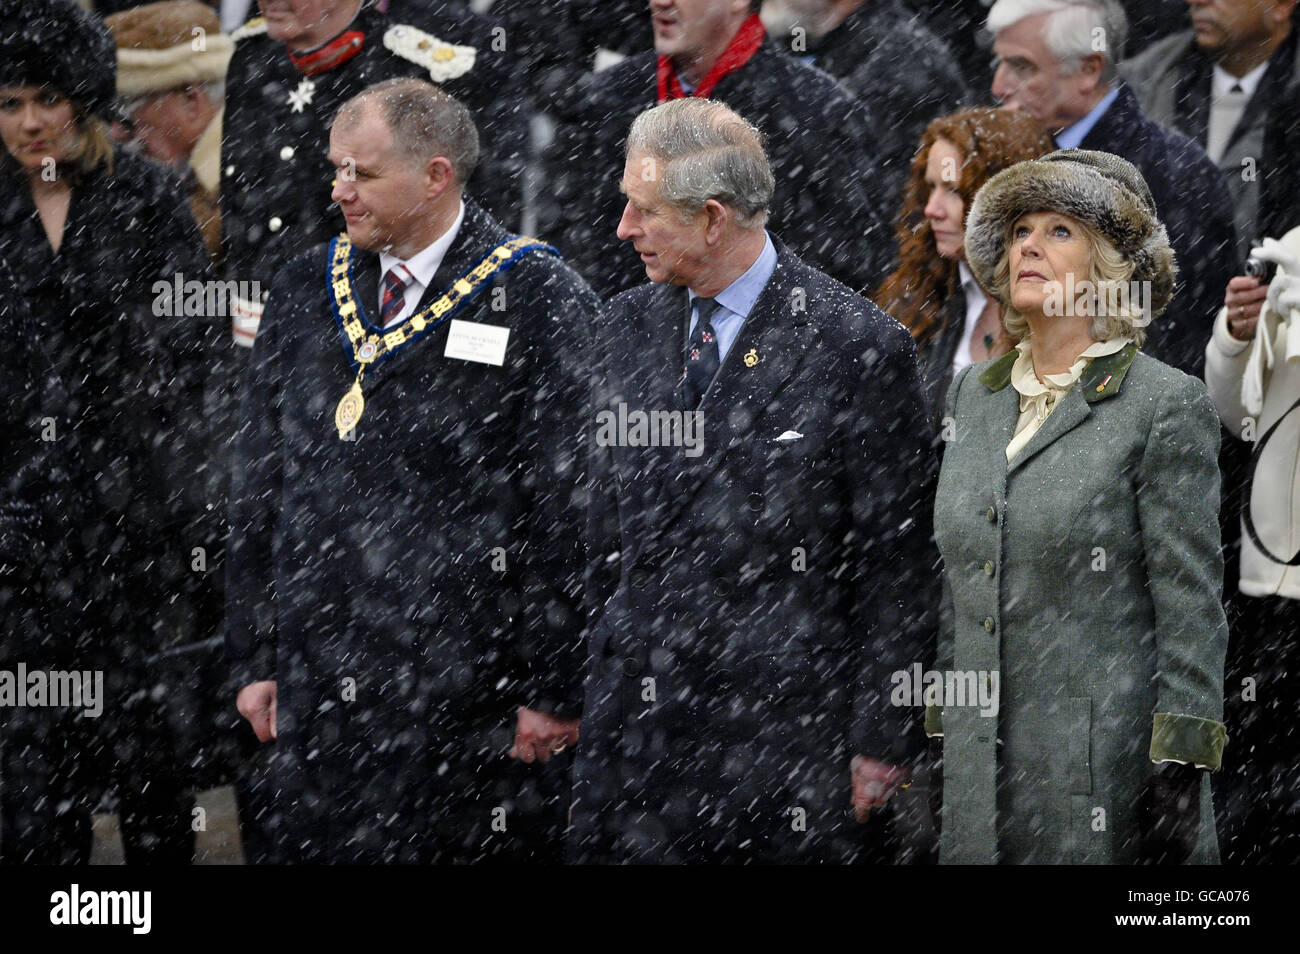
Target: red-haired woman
[932, 292]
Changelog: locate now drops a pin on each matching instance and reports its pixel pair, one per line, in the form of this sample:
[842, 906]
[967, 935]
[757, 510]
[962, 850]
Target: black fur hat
[55, 43]
[1102, 190]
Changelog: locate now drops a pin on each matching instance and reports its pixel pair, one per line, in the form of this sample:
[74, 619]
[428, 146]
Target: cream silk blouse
[1039, 398]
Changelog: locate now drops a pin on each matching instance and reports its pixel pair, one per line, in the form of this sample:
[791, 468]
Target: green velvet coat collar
[1100, 379]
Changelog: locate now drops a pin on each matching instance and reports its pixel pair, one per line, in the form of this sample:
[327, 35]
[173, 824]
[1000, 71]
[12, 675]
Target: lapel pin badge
[1101, 387]
[751, 357]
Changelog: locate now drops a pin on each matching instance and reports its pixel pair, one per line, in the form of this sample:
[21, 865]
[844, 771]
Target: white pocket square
[788, 436]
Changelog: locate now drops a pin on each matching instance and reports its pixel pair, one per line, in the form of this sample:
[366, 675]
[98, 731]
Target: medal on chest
[302, 96]
[367, 346]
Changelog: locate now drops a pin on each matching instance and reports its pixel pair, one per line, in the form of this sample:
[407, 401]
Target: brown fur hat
[1101, 190]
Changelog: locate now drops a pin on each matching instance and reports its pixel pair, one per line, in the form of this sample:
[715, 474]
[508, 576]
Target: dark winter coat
[828, 203]
[936, 355]
[1173, 81]
[887, 58]
[754, 599]
[134, 379]
[1190, 201]
[33, 478]
[407, 589]
[1086, 574]
[556, 40]
[127, 587]
[275, 187]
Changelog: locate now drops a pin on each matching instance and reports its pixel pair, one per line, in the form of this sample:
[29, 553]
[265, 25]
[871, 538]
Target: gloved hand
[1284, 289]
[1169, 815]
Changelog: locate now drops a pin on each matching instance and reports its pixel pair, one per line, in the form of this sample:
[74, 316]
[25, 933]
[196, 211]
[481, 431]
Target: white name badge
[471, 341]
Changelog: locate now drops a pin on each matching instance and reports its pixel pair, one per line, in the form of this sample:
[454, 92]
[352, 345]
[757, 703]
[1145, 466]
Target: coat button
[988, 623]
[631, 666]
[988, 567]
[723, 588]
[755, 502]
[275, 224]
[992, 515]
[286, 153]
[230, 170]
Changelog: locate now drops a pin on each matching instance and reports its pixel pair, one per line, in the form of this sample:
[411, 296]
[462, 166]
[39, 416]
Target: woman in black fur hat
[89, 230]
[1077, 515]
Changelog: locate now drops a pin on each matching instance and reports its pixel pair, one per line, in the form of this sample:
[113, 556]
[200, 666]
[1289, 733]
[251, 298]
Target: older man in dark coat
[290, 73]
[1074, 90]
[829, 204]
[405, 553]
[761, 562]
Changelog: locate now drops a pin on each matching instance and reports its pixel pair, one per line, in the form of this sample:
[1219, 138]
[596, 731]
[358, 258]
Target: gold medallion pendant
[349, 411]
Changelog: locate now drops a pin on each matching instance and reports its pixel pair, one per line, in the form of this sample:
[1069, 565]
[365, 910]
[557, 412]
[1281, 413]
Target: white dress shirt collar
[1224, 81]
[423, 265]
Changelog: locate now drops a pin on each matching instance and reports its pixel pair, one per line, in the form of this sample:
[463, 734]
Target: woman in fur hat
[1077, 515]
[89, 231]
[932, 292]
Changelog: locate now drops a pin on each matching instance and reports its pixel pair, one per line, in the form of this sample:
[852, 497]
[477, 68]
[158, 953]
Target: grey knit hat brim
[1103, 191]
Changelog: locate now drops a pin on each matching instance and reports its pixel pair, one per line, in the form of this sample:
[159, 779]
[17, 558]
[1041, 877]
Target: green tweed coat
[1086, 574]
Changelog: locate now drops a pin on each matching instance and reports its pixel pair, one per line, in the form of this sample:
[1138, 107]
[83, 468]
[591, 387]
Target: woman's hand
[1244, 299]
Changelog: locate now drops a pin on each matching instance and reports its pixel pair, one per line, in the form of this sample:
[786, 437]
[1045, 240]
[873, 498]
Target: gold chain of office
[367, 347]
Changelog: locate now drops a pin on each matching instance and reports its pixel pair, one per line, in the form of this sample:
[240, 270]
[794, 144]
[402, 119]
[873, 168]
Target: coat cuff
[258, 666]
[933, 721]
[1186, 738]
[1223, 340]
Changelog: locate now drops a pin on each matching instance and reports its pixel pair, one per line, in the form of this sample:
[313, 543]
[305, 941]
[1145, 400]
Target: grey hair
[706, 151]
[425, 122]
[1071, 29]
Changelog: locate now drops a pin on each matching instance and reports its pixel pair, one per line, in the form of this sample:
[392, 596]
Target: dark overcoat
[125, 584]
[755, 598]
[894, 64]
[829, 205]
[408, 588]
[134, 375]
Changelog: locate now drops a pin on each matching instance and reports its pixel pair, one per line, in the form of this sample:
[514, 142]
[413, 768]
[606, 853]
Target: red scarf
[739, 51]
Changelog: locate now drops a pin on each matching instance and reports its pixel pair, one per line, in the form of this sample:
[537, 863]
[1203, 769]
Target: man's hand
[874, 783]
[256, 703]
[539, 736]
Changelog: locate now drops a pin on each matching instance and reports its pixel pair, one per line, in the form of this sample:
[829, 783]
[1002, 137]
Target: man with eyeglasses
[1056, 59]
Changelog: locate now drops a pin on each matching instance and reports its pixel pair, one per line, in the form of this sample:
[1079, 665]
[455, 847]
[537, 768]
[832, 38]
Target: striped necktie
[395, 281]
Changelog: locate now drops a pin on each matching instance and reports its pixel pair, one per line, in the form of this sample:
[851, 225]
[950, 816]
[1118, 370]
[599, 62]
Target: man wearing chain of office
[404, 577]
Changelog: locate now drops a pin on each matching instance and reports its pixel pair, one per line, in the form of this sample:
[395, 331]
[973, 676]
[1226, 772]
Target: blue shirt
[1071, 136]
[737, 299]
